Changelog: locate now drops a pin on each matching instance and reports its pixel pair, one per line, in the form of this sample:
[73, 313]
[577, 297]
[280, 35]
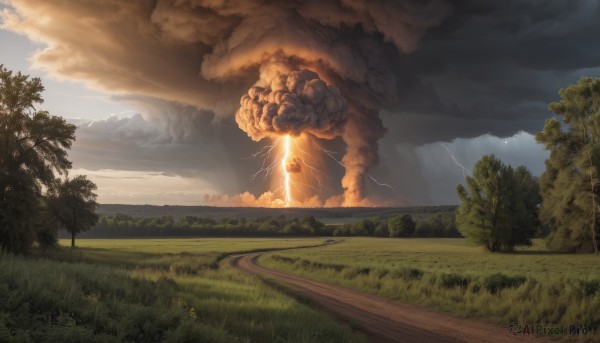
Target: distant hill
[325, 214]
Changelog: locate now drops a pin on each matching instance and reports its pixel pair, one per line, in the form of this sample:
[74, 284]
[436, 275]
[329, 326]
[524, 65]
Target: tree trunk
[593, 192]
[72, 240]
[594, 233]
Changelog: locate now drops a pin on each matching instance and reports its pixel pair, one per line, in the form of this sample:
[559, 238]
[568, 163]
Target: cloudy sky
[426, 89]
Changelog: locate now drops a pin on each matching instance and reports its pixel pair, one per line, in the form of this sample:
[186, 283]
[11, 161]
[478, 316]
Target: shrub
[454, 280]
[498, 281]
[382, 230]
[407, 273]
[401, 226]
[591, 287]
[351, 273]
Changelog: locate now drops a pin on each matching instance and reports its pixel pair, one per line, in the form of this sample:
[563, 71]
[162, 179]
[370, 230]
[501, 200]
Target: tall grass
[528, 286]
[129, 294]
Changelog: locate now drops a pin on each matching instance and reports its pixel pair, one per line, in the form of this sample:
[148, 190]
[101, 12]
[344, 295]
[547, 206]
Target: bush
[364, 227]
[438, 225]
[343, 230]
[381, 230]
[352, 272]
[407, 273]
[591, 287]
[454, 280]
[401, 226]
[498, 281]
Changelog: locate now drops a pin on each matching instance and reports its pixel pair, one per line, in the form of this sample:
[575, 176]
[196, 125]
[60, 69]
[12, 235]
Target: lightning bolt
[264, 151]
[266, 167]
[383, 184]
[465, 170]
[272, 160]
[315, 172]
[286, 174]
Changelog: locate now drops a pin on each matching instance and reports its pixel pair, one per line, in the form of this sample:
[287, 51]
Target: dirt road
[384, 320]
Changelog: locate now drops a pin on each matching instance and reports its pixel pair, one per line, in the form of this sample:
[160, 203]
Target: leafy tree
[526, 204]
[381, 230]
[363, 227]
[293, 228]
[425, 228]
[570, 184]
[73, 203]
[438, 225]
[343, 230]
[33, 145]
[401, 226]
[499, 210]
[312, 225]
[46, 225]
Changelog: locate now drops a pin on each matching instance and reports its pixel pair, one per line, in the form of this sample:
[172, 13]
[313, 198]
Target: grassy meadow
[529, 286]
[153, 290]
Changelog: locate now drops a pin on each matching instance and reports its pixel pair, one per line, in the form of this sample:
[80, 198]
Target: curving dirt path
[384, 320]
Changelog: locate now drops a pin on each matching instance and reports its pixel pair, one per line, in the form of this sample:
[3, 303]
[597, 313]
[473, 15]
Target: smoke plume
[300, 59]
[299, 102]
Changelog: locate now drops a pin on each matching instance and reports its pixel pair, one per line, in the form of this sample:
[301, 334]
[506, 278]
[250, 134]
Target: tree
[73, 204]
[46, 225]
[438, 225]
[570, 184]
[33, 145]
[401, 226]
[526, 204]
[312, 225]
[381, 230]
[363, 227]
[499, 210]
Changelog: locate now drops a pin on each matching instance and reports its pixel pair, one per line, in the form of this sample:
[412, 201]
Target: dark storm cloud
[199, 52]
[151, 143]
[493, 66]
[438, 69]
[178, 123]
[497, 60]
[197, 146]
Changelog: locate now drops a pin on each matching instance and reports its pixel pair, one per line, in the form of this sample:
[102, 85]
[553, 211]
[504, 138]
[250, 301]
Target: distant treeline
[121, 225]
[252, 213]
[437, 225]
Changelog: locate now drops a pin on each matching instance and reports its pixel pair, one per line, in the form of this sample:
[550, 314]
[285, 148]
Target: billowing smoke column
[363, 130]
[299, 102]
[303, 57]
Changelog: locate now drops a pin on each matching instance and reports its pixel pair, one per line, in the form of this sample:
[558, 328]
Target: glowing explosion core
[286, 174]
[292, 170]
[297, 109]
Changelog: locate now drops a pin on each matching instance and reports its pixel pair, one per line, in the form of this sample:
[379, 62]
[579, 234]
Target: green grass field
[528, 286]
[183, 290]
[151, 290]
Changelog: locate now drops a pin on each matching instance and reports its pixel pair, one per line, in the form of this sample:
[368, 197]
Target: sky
[171, 98]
